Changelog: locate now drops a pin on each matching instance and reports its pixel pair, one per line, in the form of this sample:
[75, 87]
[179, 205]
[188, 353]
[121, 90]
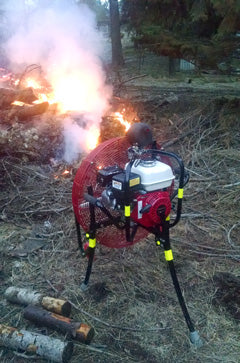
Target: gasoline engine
[123, 191]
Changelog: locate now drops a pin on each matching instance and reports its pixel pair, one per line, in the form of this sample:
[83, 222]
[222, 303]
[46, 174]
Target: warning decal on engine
[134, 181]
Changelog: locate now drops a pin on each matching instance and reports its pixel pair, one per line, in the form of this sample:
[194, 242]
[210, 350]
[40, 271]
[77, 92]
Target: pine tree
[200, 31]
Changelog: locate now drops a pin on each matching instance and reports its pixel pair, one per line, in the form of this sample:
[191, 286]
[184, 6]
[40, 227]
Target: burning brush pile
[36, 126]
[55, 103]
[25, 133]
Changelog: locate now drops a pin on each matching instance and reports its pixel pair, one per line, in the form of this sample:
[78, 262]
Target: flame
[42, 93]
[66, 172]
[30, 82]
[92, 138]
[65, 92]
[120, 117]
[72, 92]
[42, 97]
[18, 103]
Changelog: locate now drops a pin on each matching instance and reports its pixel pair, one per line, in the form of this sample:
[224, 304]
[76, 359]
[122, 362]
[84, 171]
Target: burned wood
[26, 95]
[8, 96]
[25, 112]
[76, 330]
[110, 128]
[37, 344]
[31, 139]
[28, 297]
[22, 113]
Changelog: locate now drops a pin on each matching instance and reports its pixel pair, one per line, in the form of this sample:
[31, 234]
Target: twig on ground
[230, 241]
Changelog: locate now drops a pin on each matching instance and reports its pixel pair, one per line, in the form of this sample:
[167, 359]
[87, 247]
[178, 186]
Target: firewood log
[25, 297]
[22, 113]
[44, 346]
[7, 96]
[58, 306]
[26, 112]
[76, 330]
[26, 95]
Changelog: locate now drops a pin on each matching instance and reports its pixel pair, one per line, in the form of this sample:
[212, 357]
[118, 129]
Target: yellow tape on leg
[168, 255]
[92, 242]
[127, 211]
[180, 193]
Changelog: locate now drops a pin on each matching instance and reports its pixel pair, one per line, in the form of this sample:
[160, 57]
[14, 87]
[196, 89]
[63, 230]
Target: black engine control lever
[145, 209]
[92, 200]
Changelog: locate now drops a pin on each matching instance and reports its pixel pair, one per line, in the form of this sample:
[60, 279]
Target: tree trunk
[79, 331]
[44, 346]
[171, 66]
[117, 56]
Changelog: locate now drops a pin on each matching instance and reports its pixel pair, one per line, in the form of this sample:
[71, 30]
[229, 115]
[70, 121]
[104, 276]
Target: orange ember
[18, 103]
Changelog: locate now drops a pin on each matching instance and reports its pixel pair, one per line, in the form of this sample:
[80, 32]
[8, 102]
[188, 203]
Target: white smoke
[61, 36]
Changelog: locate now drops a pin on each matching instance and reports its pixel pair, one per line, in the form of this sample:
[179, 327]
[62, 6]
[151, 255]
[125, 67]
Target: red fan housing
[110, 152]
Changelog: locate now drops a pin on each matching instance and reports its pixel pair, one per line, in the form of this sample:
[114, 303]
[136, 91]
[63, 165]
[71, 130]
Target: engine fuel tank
[154, 174]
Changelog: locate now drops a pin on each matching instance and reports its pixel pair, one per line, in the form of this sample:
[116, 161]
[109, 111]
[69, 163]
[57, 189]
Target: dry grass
[131, 301]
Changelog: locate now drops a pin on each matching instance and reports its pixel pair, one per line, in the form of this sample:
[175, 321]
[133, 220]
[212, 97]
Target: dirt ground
[131, 302]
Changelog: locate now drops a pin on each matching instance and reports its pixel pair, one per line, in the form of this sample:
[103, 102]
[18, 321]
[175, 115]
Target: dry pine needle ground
[131, 301]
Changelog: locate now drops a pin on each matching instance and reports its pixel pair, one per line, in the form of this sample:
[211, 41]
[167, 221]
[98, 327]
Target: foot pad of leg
[83, 287]
[195, 339]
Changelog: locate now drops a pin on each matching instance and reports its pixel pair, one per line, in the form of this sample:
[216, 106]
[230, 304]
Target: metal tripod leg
[79, 237]
[91, 252]
[194, 336]
[92, 242]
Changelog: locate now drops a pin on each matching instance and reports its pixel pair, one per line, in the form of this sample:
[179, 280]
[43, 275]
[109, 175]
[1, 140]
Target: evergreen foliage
[200, 31]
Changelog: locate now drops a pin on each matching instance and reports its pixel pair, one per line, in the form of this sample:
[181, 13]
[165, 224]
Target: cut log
[22, 113]
[26, 297]
[7, 96]
[76, 330]
[26, 95]
[58, 306]
[44, 346]
[22, 296]
[26, 112]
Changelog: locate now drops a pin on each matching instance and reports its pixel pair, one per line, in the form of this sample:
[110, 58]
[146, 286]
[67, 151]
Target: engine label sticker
[139, 209]
[117, 185]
